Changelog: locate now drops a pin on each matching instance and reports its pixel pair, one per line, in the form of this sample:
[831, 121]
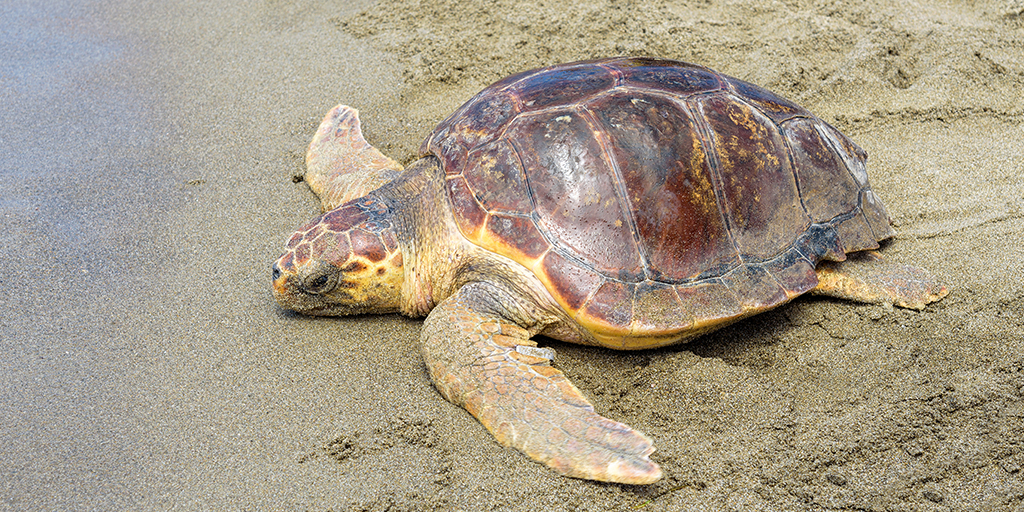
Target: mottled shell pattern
[655, 199]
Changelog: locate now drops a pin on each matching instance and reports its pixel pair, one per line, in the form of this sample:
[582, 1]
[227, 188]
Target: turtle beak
[280, 280]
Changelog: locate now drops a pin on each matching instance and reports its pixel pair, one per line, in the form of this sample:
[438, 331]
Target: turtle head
[344, 262]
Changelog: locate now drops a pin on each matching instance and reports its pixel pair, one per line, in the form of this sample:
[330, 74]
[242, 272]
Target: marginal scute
[821, 242]
[855, 233]
[611, 305]
[656, 309]
[710, 302]
[754, 287]
[875, 214]
[569, 281]
[792, 270]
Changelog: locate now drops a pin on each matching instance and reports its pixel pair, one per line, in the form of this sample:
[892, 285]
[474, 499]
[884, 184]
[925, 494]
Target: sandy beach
[150, 154]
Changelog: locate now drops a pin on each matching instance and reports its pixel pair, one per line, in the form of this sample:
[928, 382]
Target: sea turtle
[628, 203]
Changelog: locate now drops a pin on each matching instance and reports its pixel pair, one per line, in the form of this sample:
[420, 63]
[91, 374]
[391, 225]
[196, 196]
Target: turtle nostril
[276, 273]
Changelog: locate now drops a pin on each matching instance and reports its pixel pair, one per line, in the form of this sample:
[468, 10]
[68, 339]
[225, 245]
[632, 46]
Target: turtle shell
[655, 199]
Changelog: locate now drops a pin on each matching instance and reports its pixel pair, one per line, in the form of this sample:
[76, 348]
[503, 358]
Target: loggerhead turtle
[628, 203]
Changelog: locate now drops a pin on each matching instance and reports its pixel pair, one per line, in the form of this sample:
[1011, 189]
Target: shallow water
[145, 171]
[80, 190]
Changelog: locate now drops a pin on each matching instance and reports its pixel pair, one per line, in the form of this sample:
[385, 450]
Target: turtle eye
[318, 283]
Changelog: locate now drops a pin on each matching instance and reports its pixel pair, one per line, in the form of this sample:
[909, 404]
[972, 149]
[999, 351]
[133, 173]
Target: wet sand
[149, 150]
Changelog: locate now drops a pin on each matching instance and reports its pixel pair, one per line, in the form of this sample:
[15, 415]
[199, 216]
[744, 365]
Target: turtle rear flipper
[341, 165]
[486, 364]
[867, 277]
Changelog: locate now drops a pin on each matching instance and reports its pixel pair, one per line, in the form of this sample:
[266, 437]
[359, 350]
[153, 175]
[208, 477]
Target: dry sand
[148, 154]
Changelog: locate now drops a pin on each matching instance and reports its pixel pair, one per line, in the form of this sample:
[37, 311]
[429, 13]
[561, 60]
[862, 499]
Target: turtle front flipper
[481, 360]
[868, 277]
[341, 165]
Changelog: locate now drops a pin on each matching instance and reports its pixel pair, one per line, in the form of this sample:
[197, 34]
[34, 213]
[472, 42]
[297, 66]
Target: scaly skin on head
[363, 256]
[344, 262]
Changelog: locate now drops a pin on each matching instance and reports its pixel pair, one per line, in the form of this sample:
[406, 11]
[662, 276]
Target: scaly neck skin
[432, 247]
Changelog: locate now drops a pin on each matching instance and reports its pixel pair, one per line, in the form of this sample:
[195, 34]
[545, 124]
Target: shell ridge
[616, 73]
[527, 76]
[625, 205]
[660, 93]
[534, 217]
[860, 207]
[524, 114]
[707, 141]
[517, 104]
[834, 145]
[517, 151]
[789, 153]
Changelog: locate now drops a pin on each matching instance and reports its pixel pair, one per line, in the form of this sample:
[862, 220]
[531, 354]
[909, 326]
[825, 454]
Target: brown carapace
[628, 203]
[655, 200]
